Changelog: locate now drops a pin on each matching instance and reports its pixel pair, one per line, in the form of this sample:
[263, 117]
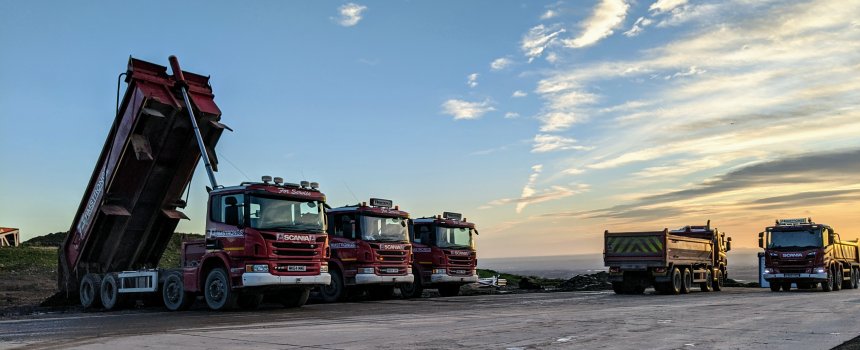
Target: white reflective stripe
[445, 278]
[255, 279]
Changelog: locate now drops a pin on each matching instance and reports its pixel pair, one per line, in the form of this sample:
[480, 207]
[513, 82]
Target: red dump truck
[670, 261]
[261, 238]
[370, 250]
[801, 252]
[445, 255]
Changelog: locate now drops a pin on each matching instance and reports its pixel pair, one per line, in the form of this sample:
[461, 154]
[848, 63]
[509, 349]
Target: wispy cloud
[519, 93]
[661, 6]
[548, 14]
[531, 195]
[461, 109]
[538, 39]
[472, 80]
[500, 63]
[350, 14]
[607, 16]
[548, 143]
[512, 115]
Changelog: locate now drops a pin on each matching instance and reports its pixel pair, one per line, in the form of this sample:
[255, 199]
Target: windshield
[454, 237]
[383, 229]
[800, 239]
[281, 214]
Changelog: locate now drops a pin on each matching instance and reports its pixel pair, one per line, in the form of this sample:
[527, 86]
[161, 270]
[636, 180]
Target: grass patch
[28, 260]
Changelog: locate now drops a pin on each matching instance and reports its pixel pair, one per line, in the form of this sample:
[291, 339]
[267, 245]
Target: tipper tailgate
[634, 248]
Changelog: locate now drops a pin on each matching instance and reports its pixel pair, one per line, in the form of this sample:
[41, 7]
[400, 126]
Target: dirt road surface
[738, 318]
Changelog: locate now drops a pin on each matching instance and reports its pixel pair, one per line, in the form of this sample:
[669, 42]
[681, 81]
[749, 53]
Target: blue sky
[544, 122]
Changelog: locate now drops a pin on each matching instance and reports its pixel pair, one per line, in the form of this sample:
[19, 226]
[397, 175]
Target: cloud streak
[461, 109]
[350, 14]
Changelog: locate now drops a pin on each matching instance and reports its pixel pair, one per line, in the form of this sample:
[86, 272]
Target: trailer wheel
[250, 301]
[677, 281]
[849, 284]
[837, 278]
[688, 281]
[449, 291]
[109, 292]
[219, 294]
[334, 291]
[296, 297]
[174, 295]
[708, 285]
[90, 291]
[855, 278]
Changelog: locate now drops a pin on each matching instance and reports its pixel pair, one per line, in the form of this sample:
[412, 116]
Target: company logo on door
[292, 237]
[792, 255]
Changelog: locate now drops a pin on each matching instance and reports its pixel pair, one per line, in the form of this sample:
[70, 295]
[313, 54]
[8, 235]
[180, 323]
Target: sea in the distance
[743, 265]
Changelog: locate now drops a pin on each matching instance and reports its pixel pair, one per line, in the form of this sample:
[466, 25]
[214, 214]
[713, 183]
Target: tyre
[827, 286]
[296, 297]
[637, 290]
[174, 295]
[617, 287]
[720, 280]
[250, 301]
[677, 282]
[90, 291]
[775, 286]
[449, 291]
[856, 279]
[849, 284]
[708, 285]
[786, 286]
[688, 281]
[109, 292]
[218, 292]
[837, 278]
[334, 291]
[412, 290]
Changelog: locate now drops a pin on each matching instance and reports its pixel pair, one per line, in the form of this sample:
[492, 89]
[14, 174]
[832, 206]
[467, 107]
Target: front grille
[286, 245]
[792, 270]
[392, 256]
[295, 251]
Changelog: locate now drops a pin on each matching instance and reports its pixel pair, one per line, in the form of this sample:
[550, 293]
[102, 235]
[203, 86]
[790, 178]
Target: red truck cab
[261, 239]
[370, 250]
[445, 255]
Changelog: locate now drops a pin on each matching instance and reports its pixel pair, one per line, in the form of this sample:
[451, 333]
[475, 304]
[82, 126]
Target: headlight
[768, 270]
[439, 271]
[323, 268]
[257, 268]
[368, 270]
[820, 270]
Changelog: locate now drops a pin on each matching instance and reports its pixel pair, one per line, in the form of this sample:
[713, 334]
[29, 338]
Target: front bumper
[259, 279]
[370, 278]
[446, 278]
[795, 276]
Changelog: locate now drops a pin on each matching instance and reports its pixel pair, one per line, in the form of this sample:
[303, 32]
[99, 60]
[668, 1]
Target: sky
[544, 122]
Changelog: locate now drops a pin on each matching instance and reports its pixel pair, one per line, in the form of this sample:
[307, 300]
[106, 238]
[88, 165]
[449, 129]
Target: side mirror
[728, 244]
[761, 239]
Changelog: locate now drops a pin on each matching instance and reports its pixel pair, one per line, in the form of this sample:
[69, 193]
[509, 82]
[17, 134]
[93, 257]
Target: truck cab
[801, 252]
[261, 239]
[445, 255]
[370, 250]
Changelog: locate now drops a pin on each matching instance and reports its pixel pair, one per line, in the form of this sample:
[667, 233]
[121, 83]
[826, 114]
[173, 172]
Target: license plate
[293, 268]
[392, 270]
[792, 275]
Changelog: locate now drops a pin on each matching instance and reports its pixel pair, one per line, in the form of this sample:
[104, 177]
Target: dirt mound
[596, 281]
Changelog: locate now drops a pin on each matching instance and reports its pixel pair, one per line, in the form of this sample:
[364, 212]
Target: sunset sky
[545, 122]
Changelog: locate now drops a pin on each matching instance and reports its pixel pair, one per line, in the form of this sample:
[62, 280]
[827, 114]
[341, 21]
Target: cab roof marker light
[315, 185]
[266, 179]
[305, 184]
[278, 180]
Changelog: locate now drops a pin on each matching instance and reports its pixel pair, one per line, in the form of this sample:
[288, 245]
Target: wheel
[855, 278]
[637, 290]
[109, 292]
[849, 284]
[381, 292]
[721, 279]
[250, 301]
[617, 287]
[334, 290]
[775, 286]
[296, 297]
[688, 281]
[837, 278]
[677, 282]
[786, 286]
[90, 291]
[827, 286]
[219, 295]
[708, 285]
[449, 291]
[412, 290]
[174, 295]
